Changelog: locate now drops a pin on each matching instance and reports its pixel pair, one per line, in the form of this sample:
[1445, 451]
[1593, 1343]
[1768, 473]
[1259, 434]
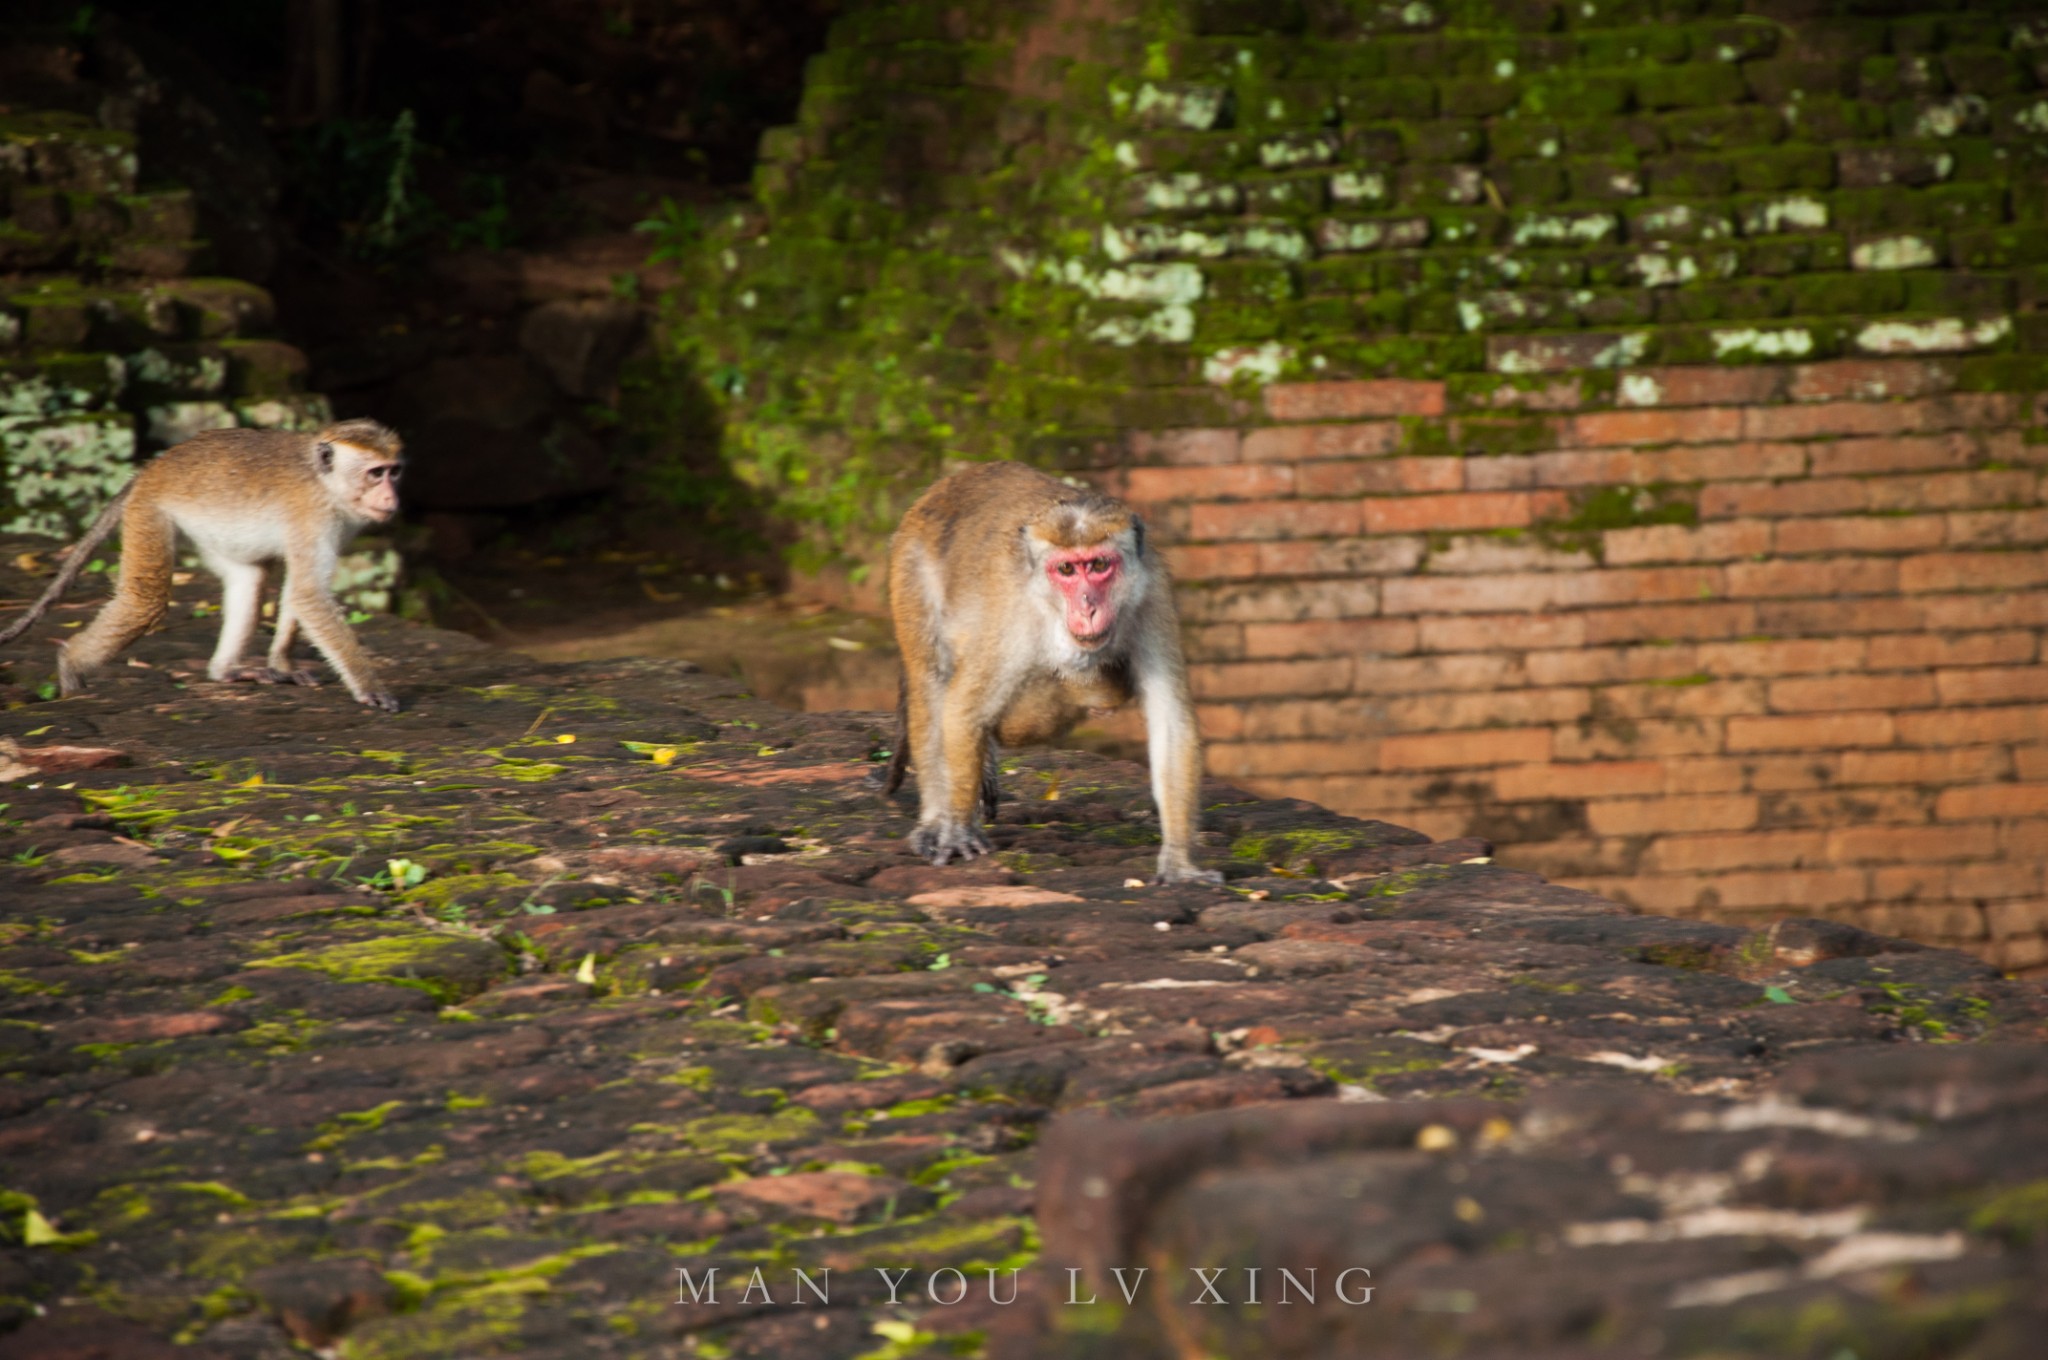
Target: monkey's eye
[1097, 566]
[1066, 568]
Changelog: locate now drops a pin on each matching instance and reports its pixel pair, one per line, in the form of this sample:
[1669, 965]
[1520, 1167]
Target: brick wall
[1732, 642]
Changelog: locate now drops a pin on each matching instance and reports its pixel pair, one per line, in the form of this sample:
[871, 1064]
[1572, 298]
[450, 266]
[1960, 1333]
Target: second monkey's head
[360, 461]
[1090, 551]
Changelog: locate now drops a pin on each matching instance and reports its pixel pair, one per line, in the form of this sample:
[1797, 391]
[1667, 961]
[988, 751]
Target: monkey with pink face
[1020, 603]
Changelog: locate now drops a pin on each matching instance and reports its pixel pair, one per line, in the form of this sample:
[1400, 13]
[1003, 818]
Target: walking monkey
[1021, 602]
[246, 499]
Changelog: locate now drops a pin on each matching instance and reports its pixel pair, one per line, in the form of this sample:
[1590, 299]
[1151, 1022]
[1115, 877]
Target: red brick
[1778, 890]
[1871, 379]
[1708, 385]
[1306, 443]
[1193, 562]
[1600, 467]
[1720, 462]
[1491, 554]
[1817, 732]
[1256, 759]
[1903, 844]
[1469, 594]
[1341, 557]
[1330, 637]
[1585, 779]
[1235, 480]
[1909, 881]
[1983, 610]
[1973, 571]
[1185, 448]
[1385, 476]
[2030, 762]
[1993, 684]
[1563, 394]
[1835, 692]
[1467, 510]
[1455, 750]
[1600, 428]
[1998, 528]
[1653, 623]
[1802, 656]
[1639, 740]
[1284, 719]
[1219, 722]
[1819, 618]
[2008, 879]
[1852, 457]
[1860, 534]
[1713, 700]
[1764, 774]
[1610, 665]
[1214, 642]
[1279, 601]
[1977, 801]
[1485, 708]
[1685, 542]
[1736, 500]
[1639, 585]
[1951, 491]
[1884, 417]
[1514, 472]
[2027, 837]
[1413, 675]
[1903, 651]
[1841, 576]
[1514, 632]
[2023, 722]
[1655, 816]
[1256, 679]
[1871, 806]
[1758, 849]
[1350, 400]
[1274, 519]
[1954, 765]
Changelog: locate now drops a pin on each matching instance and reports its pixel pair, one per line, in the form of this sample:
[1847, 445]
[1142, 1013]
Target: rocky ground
[459, 1032]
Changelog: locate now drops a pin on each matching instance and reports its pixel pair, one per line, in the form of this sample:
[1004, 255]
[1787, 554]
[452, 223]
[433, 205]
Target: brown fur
[983, 652]
[247, 499]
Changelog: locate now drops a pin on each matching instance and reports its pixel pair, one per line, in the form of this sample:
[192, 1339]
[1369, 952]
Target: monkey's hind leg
[141, 595]
[279, 668]
[241, 593]
[991, 767]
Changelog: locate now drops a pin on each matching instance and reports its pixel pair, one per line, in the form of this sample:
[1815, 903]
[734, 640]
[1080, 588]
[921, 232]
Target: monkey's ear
[326, 452]
[1137, 537]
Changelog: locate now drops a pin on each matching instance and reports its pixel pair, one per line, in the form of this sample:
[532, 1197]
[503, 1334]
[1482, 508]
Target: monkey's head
[1091, 552]
[359, 463]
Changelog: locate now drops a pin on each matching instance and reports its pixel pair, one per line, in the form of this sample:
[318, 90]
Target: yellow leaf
[566, 739]
[662, 755]
[252, 782]
[37, 1231]
[586, 971]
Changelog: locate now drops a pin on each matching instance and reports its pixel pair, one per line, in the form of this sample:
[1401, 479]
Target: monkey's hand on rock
[378, 699]
[941, 842]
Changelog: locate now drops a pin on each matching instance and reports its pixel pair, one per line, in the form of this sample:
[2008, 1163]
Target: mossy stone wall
[1021, 230]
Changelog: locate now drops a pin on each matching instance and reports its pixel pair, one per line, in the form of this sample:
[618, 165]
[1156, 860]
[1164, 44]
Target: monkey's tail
[899, 758]
[74, 566]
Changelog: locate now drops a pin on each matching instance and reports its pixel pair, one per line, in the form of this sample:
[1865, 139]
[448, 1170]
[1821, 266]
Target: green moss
[1603, 509]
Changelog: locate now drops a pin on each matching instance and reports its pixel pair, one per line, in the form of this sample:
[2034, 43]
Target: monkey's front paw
[380, 700]
[297, 675]
[941, 842]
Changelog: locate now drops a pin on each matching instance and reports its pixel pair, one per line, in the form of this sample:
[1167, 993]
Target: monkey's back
[239, 465]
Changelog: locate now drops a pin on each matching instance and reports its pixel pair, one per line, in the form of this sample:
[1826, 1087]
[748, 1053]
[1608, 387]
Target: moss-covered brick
[1247, 16]
[1688, 176]
[1694, 85]
[1531, 183]
[1794, 166]
[1943, 205]
[1604, 177]
[1577, 95]
[1663, 221]
[1999, 247]
[1795, 254]
[1834, 294]
[1443, 140]
[1381, 100]
[1824, 119]
[1616, 135]
[1627, 307]
[1788, 81]
[1986, 71]
[1479, 98]
[1526, 139]
[1635, 46]
[1434, 184]
[1726, 128]
[1339, 275]
[1741, 299]
[1967, 295]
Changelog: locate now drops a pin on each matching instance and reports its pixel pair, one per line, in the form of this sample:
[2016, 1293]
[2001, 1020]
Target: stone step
[65, 151]
[61, 314]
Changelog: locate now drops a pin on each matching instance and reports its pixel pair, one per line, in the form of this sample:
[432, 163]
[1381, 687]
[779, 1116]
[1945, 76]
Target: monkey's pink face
[378, 499]
[1085, 578]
